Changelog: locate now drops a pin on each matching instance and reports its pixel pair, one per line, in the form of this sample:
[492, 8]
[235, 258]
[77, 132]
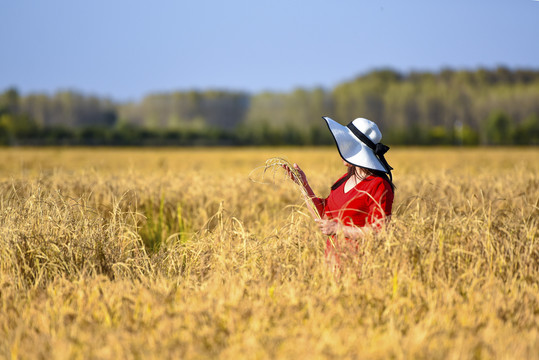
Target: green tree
[527, 133]
[498, 129]
[10, 101]
[7, 129]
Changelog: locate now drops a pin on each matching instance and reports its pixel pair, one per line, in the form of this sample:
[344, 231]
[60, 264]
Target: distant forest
[482, 107]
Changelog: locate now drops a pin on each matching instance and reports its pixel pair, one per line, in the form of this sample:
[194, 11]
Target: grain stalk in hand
[271, 169]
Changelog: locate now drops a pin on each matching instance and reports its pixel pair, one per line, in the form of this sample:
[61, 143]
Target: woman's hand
[303, 177]
[328, 227]
[332, 227]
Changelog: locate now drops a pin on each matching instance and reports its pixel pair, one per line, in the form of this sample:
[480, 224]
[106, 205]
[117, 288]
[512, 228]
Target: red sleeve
[380, 204]
[320, 205]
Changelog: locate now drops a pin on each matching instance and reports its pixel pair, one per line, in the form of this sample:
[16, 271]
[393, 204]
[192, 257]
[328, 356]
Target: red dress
[367, 203]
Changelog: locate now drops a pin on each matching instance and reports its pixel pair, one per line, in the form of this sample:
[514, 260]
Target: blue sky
[127, 49]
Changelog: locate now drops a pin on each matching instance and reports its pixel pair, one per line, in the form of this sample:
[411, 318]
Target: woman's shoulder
[339, 182]
[342, 177]
[375, 182]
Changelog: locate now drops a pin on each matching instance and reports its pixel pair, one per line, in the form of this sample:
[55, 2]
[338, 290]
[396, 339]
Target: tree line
[481, 107]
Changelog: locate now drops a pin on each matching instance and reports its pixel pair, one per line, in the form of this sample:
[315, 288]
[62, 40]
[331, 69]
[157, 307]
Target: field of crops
[176, 253]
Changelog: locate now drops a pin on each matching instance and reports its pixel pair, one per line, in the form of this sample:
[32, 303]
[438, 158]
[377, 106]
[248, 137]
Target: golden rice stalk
[275, 169]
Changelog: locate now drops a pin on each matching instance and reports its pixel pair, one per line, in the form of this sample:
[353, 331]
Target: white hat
[359, 143]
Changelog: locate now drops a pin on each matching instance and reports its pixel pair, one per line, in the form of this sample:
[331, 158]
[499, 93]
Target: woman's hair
[368, 172]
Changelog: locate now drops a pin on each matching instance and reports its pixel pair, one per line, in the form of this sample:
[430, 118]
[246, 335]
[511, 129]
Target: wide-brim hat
[359, 143]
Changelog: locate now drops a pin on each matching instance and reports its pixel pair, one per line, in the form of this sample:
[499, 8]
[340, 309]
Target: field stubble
[129, 253]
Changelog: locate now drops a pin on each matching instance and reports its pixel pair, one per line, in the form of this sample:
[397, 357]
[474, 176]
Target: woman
[361, 200]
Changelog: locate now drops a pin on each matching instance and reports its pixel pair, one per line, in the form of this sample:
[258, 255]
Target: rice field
[177, 253]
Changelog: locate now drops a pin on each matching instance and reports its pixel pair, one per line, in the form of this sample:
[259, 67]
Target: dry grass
[156, 253]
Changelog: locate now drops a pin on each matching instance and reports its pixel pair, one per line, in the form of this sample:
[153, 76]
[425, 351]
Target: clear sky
[127, 49]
